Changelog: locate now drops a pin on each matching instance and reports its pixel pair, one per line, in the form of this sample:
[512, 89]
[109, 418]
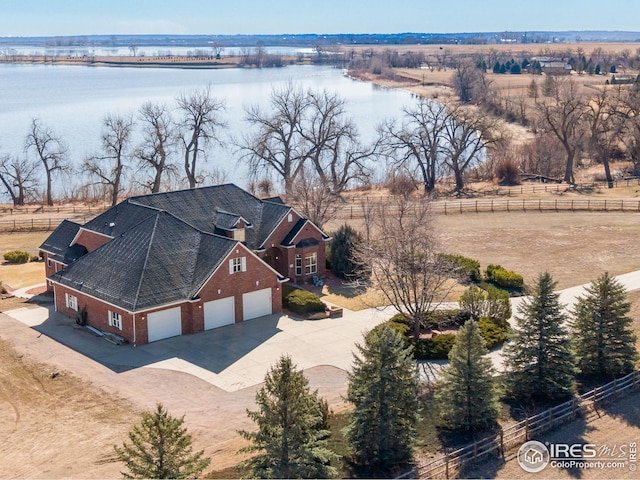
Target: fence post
[475, 449]
[526, 428]
[523, 209]
[476, 206]
[460, 208]
[572, 205]
[49, 228]
[507, 205]
[556, 204]
[540, 205]
[502, 442]
[615, 388]
[589, 205]
[550, 417]
[573, 407]
[605, 205]
[445, 208]
[446, 465]
[492, 205]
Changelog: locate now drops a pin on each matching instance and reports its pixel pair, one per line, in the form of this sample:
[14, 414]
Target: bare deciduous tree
[332, 142]
[469, 82]
[403, 260]
[418, 141]
[158, 133]
[198, 127]
[313, 199]
[277, 144]
[19, 178]
[604, 129]
[466, 134]
[563, 115]
[50, 151]
[629, 110]
[108, 166]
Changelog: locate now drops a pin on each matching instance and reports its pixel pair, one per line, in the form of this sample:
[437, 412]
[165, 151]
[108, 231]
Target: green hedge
[465, 265]
[17, 256]
[436, 348]
[303, 301]
[494, 332]
[504, 278]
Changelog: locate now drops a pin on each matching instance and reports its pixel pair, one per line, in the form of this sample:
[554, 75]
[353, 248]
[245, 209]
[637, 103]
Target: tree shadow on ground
[627, 409]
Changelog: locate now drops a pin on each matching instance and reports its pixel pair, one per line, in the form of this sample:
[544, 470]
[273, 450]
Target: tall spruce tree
[292, 433]
[467, 397]
[383, 386]
[538, 359]
[160, 448]
[604, 342]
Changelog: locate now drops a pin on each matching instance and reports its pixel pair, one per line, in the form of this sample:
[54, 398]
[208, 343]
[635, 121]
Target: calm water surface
[73, 100]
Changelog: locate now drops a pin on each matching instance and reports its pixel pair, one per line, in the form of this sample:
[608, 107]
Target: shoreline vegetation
[166, 61]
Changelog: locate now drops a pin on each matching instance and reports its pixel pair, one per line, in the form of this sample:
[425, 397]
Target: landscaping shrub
[303, 301]
[400, 324]
[342, 250]
[465, 265]
[504, 278]
[436, 348]
[35, 258]
[17, 256]
[494, 332]
[448, 317]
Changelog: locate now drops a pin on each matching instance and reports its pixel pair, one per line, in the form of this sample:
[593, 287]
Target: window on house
[238, 265]
[311, 263]
[115, 320]
[290, 218]
[71, 301]
[49, 262]
[298, 265]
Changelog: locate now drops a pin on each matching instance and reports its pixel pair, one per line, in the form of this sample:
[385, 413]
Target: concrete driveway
[238, 356]
[231, 357]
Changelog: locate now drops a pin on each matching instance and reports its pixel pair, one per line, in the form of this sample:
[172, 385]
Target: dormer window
[239, 234]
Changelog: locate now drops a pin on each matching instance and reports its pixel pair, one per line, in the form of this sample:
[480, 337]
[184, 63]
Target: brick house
[167, 264]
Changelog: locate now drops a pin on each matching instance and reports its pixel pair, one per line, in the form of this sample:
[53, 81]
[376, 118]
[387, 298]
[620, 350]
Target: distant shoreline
[164, 61]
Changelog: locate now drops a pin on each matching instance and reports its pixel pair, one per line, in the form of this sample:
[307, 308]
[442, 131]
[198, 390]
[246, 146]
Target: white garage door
[256, 304]
[219, 313]
[164, 324]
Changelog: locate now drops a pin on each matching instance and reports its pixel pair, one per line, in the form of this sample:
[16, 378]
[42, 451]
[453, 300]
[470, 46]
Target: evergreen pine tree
[160, 448]
[604, 342]
[467, 397]
[538, 359]
[383, 386]
[291, 435]
[343, 245]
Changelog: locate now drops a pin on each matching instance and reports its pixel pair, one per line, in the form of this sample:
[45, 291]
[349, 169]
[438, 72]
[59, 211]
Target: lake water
[73, 100]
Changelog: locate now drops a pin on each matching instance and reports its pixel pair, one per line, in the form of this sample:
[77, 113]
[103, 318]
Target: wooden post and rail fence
[509, 438]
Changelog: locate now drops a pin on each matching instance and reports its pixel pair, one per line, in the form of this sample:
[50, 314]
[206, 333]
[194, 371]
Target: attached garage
[164, 324]
[256, 304]
[219, 313]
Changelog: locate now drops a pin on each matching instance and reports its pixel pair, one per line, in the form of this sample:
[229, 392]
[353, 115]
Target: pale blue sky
[85, 17]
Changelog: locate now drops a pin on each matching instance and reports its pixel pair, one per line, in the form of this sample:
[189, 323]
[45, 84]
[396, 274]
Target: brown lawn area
[620, 425]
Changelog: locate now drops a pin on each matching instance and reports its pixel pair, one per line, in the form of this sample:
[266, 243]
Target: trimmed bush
[303, 301]
[448, 317]
[494, 332]
[17, 256]
[35, 258]
[504, 278]
[436, 348]
[399, 323]
[465, 265]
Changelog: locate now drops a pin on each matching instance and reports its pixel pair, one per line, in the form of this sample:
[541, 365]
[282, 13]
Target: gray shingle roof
[198, 208]
[58, 242]
[160, 261]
